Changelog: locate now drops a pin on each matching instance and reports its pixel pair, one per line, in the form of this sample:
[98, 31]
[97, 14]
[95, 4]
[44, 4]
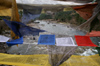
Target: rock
[2, 26]
[33, 38]
[3, 47]
[54, 25]
[42, 24]
[36, 22]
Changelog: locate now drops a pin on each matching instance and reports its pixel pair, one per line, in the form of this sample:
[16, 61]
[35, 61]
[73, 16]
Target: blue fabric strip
[47, 40]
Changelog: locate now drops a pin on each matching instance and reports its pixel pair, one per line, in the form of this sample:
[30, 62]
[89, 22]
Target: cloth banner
[6, 12]
[3, 38]
[67, 41]
[24, 60]
[75, 60]
[5, 8]
[42, 60]
[85, 11]
[13, 26]
[16, 41]
[31, 14]
[23, 29]
[26, 30]
[47, 40]
[84, 41]
[93, 34]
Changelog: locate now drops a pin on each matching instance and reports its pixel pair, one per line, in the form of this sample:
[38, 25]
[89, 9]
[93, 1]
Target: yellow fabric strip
[43, 60]
[5, 4]
[6, 8]
[75, 60]
[15, 14]
[15, 17]
[6, 12]
[24, 60]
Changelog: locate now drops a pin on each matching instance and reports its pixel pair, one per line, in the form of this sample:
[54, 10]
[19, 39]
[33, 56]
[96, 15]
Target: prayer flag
[23, 29]
[3, 38]
[84, 41]
[16, 41]
[93, 34]
[47, 40]
[67, 41]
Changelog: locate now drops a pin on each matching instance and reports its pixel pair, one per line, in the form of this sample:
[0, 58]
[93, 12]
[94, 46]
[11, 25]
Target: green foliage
[45, 16]
[20, 13]
[98, 49]
[94, 23]
[79, 19]
[63, 16]
[1, 18]
[4, 17]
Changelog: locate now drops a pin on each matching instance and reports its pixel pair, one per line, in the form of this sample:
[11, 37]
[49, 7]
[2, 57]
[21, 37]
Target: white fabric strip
[3, 38]
[66, 41]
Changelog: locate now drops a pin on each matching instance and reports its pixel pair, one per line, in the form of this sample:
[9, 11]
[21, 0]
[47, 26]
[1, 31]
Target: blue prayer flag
[26, 30]
[20, 29]
[16, 41]
[13, 26]
[47, 40]
[31, 14]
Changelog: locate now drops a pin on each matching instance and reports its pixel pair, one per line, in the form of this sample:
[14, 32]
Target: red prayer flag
[84, 41]
[85, 11]
[93, 34]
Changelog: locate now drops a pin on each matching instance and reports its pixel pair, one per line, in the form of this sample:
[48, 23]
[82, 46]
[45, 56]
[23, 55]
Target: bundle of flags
[66, 41]
[9, 8]
[20, 29]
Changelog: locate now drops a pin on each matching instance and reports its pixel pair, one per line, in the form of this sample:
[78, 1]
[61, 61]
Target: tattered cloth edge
[86, 24]
[85, 11]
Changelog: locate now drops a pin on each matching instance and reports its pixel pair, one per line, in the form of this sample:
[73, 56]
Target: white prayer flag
[67, 41]
[3, 38]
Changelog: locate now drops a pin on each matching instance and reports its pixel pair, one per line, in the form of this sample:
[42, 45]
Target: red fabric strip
[93, 34]
[84, 41]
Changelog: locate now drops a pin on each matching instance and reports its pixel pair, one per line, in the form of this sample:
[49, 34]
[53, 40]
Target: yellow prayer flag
[6, 12]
